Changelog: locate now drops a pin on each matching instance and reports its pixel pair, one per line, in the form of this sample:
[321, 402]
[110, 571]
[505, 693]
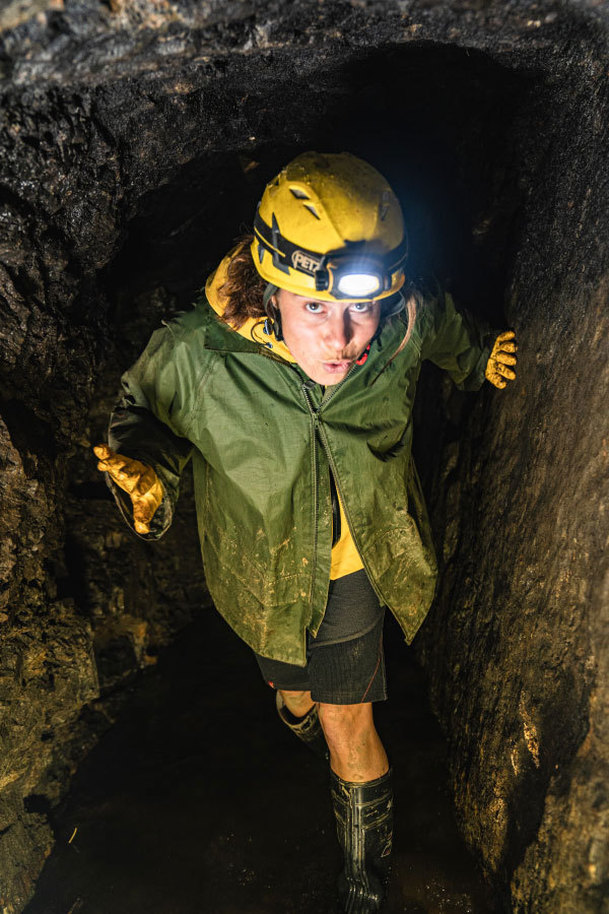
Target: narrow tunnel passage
[439, 124]
[135, 148]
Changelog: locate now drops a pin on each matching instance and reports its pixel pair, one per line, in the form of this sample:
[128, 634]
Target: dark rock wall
[135, 139]
[515, 647]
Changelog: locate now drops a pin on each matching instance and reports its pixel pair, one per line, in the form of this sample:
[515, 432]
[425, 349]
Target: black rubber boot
[307, 728]
[364, 825]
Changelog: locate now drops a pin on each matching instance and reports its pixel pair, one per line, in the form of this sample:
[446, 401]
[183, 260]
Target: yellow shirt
[345, 557]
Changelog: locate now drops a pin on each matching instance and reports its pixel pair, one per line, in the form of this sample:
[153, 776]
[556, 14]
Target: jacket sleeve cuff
[475, 379]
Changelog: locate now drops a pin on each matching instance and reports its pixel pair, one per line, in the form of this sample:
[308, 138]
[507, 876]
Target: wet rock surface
[514, 648]
[135, 139]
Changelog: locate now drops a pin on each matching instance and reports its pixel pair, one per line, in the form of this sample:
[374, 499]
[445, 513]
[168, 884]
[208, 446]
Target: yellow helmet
[330, 227]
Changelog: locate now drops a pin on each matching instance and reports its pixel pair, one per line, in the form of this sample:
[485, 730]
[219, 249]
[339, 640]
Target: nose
[338, 331]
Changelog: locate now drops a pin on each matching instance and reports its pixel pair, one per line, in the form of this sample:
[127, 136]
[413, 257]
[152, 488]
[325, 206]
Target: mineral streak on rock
[135, 137]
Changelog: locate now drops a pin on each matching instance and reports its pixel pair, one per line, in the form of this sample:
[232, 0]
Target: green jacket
[263, 438]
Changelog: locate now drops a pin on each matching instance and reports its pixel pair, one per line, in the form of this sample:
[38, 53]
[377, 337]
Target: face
[324, 337]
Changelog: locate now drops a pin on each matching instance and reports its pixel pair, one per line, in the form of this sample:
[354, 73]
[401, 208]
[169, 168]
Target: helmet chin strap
[268, 294]
[392, 305]
[272, 323]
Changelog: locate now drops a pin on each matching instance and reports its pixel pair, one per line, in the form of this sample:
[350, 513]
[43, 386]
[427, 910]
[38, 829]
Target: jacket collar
[253, 330]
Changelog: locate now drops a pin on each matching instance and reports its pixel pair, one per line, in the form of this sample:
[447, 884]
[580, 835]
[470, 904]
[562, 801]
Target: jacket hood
[253, 328]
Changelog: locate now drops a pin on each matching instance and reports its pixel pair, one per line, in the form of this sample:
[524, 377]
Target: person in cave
[290, 385]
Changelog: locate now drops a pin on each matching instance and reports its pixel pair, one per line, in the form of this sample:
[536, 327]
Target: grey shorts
[344, 666]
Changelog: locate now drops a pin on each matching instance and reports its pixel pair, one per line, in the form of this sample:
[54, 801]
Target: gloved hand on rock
[138, 480]
[502, 356]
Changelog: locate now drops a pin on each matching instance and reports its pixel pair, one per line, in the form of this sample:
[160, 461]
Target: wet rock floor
[199, 801]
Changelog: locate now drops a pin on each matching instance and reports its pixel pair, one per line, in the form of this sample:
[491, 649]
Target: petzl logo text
[305, 262]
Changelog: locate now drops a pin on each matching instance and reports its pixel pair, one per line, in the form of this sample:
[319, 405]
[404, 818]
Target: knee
[345, 722]
[296, 700]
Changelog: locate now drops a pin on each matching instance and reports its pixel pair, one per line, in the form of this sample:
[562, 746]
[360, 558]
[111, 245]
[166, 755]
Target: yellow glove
[135, 478]
[501, 357]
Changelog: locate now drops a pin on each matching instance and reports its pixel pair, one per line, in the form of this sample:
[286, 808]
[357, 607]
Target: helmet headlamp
[358, 285]
[349, 273]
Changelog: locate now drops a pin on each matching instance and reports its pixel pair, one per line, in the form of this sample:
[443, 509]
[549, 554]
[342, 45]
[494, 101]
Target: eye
[361, 307]
[314, 307]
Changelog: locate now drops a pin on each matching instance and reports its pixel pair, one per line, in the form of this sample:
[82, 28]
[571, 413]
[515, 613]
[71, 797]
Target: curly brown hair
[243, 288]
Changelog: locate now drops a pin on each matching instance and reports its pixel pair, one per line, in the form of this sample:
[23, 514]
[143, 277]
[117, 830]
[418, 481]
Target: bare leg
[357, 754]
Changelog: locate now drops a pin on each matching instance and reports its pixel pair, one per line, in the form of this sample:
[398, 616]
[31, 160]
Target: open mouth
[337, 366]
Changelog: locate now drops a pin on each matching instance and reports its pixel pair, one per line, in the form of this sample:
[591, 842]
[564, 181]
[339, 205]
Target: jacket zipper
[315, 469]
[318, 427]
[328, 454]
